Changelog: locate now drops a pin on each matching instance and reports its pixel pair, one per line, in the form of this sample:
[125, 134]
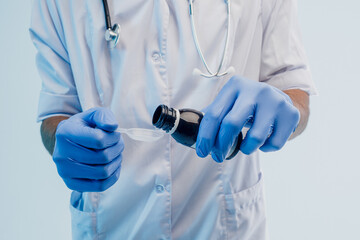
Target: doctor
[239, 61]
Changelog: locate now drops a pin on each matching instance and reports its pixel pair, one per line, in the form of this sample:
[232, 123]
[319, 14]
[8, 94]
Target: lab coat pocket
[83, 222]
[245, 213]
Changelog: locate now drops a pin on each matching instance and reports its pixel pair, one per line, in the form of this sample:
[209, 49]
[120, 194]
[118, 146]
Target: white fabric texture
[165, 191]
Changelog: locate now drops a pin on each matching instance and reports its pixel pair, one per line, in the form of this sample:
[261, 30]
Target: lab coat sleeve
[283, 62]
[58, 96]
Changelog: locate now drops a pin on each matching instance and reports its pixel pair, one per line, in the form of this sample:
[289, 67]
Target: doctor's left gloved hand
[88, 151]
[273, 114]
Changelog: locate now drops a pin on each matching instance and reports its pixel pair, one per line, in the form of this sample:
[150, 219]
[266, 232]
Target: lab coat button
[156, 57]
[159, 188]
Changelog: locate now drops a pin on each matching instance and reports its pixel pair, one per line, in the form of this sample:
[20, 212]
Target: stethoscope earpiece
[230, 70]
[196, 72]
[112, 35]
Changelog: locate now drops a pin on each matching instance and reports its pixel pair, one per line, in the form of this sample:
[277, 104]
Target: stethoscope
[112, 35]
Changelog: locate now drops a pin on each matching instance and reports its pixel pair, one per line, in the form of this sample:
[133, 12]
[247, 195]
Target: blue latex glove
[241, 101]
[87, 150]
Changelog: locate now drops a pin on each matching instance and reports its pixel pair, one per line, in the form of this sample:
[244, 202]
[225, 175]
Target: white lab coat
[165, 191]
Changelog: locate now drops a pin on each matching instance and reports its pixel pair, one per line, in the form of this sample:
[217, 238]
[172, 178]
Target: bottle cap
[164, 118]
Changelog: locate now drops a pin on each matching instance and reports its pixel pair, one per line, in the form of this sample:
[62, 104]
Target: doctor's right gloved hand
[241, 100]
[88, 151]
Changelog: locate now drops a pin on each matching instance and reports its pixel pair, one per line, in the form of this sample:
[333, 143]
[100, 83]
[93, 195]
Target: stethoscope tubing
[107, 14]
[197, 44]
[112, 35]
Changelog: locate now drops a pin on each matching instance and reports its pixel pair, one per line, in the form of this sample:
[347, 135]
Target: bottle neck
[166, 118]
[177, 120]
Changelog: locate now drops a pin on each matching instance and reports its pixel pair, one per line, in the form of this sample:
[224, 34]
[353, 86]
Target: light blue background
[312, 185]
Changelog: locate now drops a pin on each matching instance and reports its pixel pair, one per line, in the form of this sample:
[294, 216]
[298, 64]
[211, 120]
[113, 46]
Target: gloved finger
[259, 131]
[88, 185]
[284, 127]
[100, 117]
[69, 168]
[90, 156]
[86, 136]
[230, 129]
[211, 121]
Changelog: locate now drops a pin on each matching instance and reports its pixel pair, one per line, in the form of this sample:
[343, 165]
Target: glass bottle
[183, 125]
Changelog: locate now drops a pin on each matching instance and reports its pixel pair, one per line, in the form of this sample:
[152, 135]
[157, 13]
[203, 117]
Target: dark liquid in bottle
[186, 131]
[188, 128]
